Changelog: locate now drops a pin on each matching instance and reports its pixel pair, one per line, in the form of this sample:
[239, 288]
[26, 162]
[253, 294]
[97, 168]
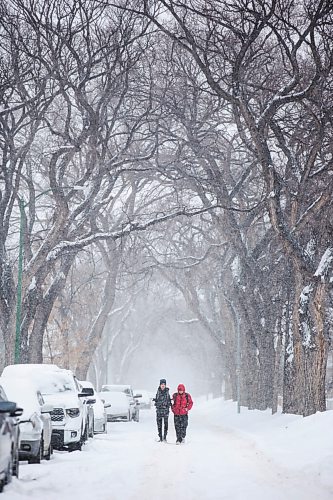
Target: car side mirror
[138, 396]
[107, 405]
[17, 413]
[8, 407]
[47, 408]
[91, 401]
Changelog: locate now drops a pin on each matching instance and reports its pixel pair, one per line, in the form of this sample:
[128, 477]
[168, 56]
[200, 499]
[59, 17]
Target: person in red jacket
[182, 403]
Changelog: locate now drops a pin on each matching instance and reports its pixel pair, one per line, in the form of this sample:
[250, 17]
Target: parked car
[120, 406]
[9, 439]
[145, 400]
[35, 422]
[60, 388]
[98, 408]
[89, 401]
[127, 389]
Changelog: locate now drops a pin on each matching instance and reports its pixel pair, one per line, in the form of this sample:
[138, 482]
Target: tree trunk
[109, 294]
[307, 350]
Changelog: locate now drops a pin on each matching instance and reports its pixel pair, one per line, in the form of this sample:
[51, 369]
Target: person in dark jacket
[182, 403]
[162, 403]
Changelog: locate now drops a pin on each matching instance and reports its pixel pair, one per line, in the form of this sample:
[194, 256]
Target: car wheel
[49, 452]
[37, 459]
[8, 478]
[75, 446]
[91, 432]
[85, 434]
[16, 464]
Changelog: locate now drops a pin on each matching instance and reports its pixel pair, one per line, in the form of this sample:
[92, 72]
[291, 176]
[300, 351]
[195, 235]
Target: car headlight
[73, 412]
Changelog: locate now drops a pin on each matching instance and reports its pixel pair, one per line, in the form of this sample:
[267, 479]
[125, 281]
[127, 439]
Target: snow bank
[292, 441]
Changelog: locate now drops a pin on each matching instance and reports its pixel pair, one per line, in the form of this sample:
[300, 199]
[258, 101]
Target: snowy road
[127, 464]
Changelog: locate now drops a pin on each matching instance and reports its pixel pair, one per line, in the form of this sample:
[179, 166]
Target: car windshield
[52, 383]
[114, 397]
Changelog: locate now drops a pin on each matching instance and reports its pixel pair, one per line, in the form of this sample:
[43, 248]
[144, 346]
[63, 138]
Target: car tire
[91, 432]
[16, 464]
[8, 478]
[49, 452]
[37, 459]
[85, 434]
[75, 446]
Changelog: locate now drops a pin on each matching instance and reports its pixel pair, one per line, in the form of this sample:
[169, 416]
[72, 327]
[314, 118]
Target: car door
[47, 423]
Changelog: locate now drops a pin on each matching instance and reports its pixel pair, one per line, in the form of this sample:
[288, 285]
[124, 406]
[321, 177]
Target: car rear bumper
[99, 425]
[28, 449]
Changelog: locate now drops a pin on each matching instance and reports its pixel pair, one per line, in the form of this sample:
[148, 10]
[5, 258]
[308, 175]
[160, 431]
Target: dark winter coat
[162, 402]
[182, 403]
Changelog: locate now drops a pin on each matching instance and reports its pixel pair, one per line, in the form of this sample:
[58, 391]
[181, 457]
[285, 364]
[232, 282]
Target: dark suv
[9, 439]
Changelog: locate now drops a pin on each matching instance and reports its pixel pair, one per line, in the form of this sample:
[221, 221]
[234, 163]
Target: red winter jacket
[182, 403]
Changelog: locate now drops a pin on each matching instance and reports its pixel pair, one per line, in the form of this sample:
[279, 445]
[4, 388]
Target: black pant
[181, 423]
[159, 420]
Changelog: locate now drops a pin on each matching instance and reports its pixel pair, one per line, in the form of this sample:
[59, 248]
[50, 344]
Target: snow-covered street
[227, 456]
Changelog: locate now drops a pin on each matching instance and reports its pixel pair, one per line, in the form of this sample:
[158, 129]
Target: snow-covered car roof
[49, 379]
[126, 388]
[24, 393]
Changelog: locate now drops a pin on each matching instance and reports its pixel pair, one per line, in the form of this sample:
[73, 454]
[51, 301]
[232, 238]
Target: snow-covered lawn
[227, 456]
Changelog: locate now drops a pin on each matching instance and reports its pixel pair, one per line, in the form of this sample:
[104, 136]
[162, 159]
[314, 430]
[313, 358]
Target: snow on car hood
[63, 399]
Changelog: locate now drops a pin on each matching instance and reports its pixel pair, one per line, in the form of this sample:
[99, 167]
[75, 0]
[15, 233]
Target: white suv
[59, 388]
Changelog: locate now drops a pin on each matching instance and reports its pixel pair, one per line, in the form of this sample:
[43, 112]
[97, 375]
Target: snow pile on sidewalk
[291, 441]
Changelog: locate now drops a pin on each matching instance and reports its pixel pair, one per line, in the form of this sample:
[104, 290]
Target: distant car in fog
[145, 400]
[120, 405]
[127, 389]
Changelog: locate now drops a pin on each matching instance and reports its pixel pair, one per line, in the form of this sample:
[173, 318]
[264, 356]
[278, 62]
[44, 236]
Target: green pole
[19, 286]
